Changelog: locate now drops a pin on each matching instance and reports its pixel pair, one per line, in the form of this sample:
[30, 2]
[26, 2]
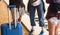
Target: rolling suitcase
[11, 28]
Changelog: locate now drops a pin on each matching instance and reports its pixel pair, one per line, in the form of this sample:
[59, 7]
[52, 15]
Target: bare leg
[56, 30]
[51, 28]
[42, 28]
[32, 27]
[57, 27]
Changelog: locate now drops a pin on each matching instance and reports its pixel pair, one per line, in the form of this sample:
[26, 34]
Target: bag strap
[12, 6]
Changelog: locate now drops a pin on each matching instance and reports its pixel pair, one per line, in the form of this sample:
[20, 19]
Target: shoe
[41, 33]
[30, 33]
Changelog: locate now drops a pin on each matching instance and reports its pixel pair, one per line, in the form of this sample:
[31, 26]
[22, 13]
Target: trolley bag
[11, 28]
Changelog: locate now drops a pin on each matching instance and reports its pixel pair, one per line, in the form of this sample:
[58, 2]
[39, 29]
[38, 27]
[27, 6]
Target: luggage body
[12, 28]
[13, 31]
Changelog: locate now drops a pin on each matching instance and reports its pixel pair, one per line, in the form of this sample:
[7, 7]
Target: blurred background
[25, 18]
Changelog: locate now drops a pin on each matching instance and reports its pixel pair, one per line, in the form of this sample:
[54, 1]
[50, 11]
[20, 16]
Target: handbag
[36, 3]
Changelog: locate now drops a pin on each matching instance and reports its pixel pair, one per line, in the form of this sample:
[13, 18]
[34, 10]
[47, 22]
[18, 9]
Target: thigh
[12, 12]
[51, 28]
[32, 12]
[21, 11]
[58, 25]
[57, 28]
[40, 10]
[50, 25]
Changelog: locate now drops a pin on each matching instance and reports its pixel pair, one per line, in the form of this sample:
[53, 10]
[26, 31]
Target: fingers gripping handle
[12, 6]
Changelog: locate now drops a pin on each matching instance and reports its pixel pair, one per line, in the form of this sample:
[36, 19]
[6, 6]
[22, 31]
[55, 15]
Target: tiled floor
[26, 21]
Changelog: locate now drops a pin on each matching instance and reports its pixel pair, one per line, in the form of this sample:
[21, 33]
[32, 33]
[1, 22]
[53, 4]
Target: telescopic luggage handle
[12, 6]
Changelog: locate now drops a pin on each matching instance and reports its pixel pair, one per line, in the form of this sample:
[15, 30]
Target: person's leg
[41, 16]
[57, 27]
[20, 10]
[17, 14]
[51, 28]
[12, 12]
[32, 15]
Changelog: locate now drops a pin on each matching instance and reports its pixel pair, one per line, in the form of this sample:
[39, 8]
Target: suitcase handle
[12, 6]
